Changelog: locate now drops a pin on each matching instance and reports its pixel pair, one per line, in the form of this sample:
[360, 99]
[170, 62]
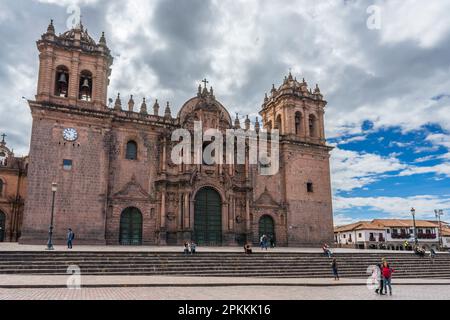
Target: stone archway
[130, 233]
[267, 227]
[208, 217]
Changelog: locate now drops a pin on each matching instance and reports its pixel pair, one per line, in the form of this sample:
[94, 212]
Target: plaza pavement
[250, 293]
[57, 281]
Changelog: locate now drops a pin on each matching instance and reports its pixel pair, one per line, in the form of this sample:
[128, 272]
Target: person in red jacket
[387, 277]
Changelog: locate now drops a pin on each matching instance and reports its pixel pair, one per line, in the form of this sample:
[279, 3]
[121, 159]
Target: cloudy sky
[383, 66]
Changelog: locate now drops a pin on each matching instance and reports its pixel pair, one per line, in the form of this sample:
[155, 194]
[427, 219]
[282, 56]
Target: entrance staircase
[274, 265]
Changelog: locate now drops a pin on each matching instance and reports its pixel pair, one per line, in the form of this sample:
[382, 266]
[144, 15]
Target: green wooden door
[267, 227]
[208, 218]
[2, 226]
[131, 227]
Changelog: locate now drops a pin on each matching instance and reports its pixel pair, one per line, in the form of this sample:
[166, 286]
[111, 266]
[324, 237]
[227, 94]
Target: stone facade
[119, 159]
[13, 186]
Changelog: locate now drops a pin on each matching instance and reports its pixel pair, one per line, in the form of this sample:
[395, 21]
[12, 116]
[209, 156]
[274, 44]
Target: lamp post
[413, 212]
[439, 213]
[50, 231]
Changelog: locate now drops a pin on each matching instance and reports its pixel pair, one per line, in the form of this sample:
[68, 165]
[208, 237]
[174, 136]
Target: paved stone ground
[229, 293]
[35, 248]
[41, 281]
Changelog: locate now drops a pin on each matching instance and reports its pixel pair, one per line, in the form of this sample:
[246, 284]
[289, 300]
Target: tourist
[193, 247]
[432, 255]
[272, 242]
[70, 238]
[186, 248]
[248, 249]
[380, 288]
[387, 277]
[261, 242]
[326, 250]
[334, 267]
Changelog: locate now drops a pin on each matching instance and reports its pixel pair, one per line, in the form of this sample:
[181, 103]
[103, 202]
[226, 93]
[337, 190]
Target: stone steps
[284, 265]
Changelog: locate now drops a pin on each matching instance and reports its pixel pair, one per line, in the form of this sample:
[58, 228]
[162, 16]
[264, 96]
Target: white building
[388, 233]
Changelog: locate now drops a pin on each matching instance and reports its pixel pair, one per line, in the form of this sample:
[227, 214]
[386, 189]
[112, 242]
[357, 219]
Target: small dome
[71, 35]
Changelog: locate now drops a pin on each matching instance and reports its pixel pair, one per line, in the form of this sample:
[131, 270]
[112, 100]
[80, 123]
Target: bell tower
[296, 111]
[74, 70]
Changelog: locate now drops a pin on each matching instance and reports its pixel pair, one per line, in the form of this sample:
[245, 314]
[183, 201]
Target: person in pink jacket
[387, 277]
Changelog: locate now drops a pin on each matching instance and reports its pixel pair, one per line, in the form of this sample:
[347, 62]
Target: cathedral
[115, 183]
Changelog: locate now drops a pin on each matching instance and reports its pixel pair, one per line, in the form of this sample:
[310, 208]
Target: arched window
[298, 123]
[2, 184]
[312, 126]
[62, 82]
[85, 86]
[278, 124]
[131, 150]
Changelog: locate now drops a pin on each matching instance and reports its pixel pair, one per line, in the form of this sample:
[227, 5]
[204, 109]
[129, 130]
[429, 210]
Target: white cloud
[395, 207]
[351, 169]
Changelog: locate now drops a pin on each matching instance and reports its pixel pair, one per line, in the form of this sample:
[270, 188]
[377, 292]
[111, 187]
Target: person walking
[334, 267]
[387, 277]
[261, 242]
[272, 242]
[70, 238]
[432, 255]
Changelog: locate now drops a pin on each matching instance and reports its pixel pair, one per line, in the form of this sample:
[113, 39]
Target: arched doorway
[208, 218]
[2, 226]
[131, 227]
[267, 227]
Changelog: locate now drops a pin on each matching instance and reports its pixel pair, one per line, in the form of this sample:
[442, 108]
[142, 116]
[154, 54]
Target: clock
[70, 134]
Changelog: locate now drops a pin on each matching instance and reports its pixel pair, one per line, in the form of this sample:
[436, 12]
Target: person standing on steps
[387, 277]
[70, 238]
[186, 248]
[334, 267]
[432, 255]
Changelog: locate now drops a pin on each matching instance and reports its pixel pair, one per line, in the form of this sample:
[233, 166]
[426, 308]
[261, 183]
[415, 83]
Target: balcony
[426, 236]
[400, 236]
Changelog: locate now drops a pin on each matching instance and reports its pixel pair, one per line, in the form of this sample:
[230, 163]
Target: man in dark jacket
[70, 238]
[381, 284]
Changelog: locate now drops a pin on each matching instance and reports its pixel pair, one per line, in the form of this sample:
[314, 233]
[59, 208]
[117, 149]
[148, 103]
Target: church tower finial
[143, 107]
[131, 104]
[51, 28]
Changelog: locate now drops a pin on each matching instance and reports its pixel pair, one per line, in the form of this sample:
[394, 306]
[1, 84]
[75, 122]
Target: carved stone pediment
[132, 190]
[266, 200]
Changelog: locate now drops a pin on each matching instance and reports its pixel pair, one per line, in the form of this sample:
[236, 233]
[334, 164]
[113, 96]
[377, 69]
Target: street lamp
[413, 212]
[439, 213]
[50, 231]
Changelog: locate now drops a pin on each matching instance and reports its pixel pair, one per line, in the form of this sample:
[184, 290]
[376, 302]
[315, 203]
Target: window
[67, 164]
[388, 231]
[131, 150]
[298, 122]
[312, 126]
[85, 86]
[359, 235]
[310, 187]
[278, 124]
[62, 82]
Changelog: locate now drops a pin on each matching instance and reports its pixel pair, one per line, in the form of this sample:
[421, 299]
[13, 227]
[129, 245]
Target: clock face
[70, 134]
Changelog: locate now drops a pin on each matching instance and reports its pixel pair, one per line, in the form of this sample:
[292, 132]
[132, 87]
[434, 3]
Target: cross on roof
[3, 136]
[205, 82]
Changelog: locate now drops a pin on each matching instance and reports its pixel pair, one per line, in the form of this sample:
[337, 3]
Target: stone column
[74, 78]
[180, 212]
[187, 224]
[163, 210]
[306, 122]
[231, 213]
[321, 125]
[164, 156]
